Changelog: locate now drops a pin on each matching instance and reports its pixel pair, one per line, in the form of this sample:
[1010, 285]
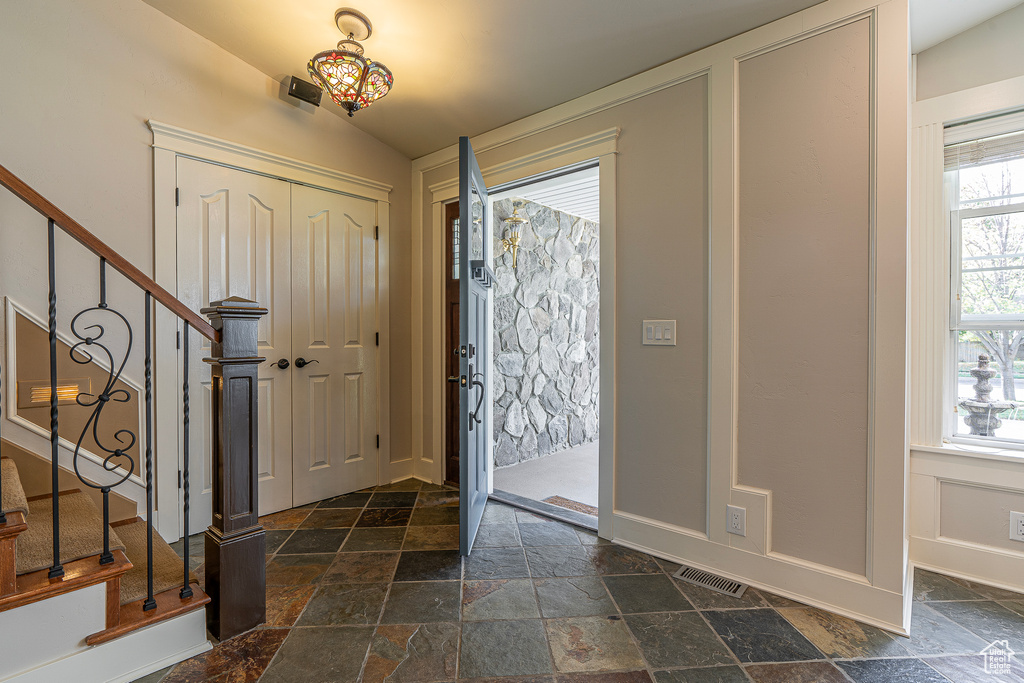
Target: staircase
[89, 599]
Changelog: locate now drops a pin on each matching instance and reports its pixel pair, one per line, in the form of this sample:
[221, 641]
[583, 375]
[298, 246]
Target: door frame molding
[603, 146]
[170, 142]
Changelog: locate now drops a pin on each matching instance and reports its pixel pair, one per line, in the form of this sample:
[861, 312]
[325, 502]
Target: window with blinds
[984, 182]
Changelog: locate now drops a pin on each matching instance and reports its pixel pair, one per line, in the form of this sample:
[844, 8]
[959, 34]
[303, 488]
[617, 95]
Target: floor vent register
[711, 581]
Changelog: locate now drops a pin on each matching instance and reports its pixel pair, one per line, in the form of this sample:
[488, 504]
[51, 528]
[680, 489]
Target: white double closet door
[309, 256]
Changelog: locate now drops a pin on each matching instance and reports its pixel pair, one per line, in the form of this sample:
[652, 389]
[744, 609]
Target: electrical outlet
[736, 518]
[1016, 526]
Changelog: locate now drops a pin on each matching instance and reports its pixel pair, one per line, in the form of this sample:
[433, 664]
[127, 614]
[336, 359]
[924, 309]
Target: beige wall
[661, 245]
[80, 79]
[804, 289]
[990, 52]
[979, 514]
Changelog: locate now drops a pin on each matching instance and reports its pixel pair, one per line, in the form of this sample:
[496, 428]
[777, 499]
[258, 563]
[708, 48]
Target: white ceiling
[933, 21]
[463, 67]
[577, 193]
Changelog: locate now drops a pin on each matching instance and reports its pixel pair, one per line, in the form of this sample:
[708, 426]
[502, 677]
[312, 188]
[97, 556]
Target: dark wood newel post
[235, 541]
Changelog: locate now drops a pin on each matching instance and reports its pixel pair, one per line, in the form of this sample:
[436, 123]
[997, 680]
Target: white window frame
[957, 322]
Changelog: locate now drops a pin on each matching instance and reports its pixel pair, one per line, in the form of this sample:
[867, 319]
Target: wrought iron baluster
[91, 341]
[150, 603]
[186, 587]
[57, 570]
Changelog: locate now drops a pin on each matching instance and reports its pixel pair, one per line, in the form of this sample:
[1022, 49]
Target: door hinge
[179, 479]
[378, 339]
[378, 441]
[177, 196]
[376, 232]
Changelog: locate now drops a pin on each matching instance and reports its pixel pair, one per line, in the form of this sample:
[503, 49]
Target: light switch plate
[658, 333]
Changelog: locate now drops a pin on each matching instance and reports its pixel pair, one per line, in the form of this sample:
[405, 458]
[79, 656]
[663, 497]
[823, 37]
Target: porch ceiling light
[351, 80]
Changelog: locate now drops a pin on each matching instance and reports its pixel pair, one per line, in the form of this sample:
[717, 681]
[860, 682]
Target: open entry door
[474, 350]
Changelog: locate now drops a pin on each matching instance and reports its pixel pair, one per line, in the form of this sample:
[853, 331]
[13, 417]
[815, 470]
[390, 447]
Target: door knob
[283, 364]
[302, 362]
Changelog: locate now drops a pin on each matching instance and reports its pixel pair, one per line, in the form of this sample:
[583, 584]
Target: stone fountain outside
[983, 417]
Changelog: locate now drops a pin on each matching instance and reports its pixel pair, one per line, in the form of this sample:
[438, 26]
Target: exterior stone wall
[546, 323]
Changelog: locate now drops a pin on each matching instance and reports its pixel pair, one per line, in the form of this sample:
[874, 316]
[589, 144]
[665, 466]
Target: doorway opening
[546, 343]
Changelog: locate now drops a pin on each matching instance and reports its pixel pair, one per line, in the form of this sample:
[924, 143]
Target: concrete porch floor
[570, 474]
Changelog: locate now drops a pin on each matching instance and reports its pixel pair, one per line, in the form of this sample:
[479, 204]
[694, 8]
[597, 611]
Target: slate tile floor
[370, 587]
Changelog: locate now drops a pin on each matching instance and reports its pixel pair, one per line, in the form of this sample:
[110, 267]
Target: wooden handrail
[96, 246]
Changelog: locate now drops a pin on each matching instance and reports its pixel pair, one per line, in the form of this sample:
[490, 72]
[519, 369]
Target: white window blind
[988, 150]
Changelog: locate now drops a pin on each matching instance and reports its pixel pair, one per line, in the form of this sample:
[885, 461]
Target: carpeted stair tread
[12, 497]
[167, 566]
[81, 532]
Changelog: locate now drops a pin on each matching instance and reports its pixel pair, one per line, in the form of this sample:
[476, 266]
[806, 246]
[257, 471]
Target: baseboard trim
[831, 590]
[1000, 568]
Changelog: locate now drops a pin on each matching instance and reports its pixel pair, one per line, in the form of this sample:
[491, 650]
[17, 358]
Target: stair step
[167, 566]
[78, 574]
[12, 495]
[169, 604]
[81, 532]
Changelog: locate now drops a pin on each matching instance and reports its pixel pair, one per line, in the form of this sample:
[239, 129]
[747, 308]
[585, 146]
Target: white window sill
[972, 450]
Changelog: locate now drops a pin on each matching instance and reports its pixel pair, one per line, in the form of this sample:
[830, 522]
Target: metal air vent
[704, 579]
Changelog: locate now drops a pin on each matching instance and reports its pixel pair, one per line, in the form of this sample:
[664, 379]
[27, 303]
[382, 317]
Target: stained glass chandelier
[352, 81]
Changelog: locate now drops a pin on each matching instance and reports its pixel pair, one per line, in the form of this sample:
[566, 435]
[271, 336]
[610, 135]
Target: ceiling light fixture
[352, 81]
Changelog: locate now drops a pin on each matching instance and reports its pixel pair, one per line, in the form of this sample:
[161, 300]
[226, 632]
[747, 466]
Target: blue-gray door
[475, 278]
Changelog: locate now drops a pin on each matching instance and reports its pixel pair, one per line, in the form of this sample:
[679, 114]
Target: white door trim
[169, 142]
[603, 146]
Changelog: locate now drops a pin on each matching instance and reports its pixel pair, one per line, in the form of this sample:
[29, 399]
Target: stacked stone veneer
[545, 335]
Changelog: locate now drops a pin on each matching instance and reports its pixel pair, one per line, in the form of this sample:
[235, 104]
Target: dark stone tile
[592, 644]
[196, 546]
[617, 677]
[929, 586]
[677, 639]
[305, 541]
[404, 485]
[428, 487]
[667, 565]
[777, 600]
[891, 671]
[590, 538]
[498, 536]
[933, 634]
[391, 499]
[286, 519]
[413, 654]
[275, 539]
[646, 593]
[969, 669]
[510, 679]
[154, 677]
[429, 565]
[530, 518]
[434, 516]
[331, 518]
[361, 540]
[378, 517]
[496, 513]
[561, 561]
[432, 538]
[991, 592]
[704, 598]
[362, 568]
[842, 638]
[798, 672]
[499, 599]
[504, 648]
[761, 635]
[575, 596]
[285, 604]
[349, 500]
[297, 570]
[615, 559]
[326, 654]
[1013, 605]
[714, 674]
[422, 602]
[344, 604]
[497, 563]
[548, 534]
[988, 620]
[438, 499]
[248, 654]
